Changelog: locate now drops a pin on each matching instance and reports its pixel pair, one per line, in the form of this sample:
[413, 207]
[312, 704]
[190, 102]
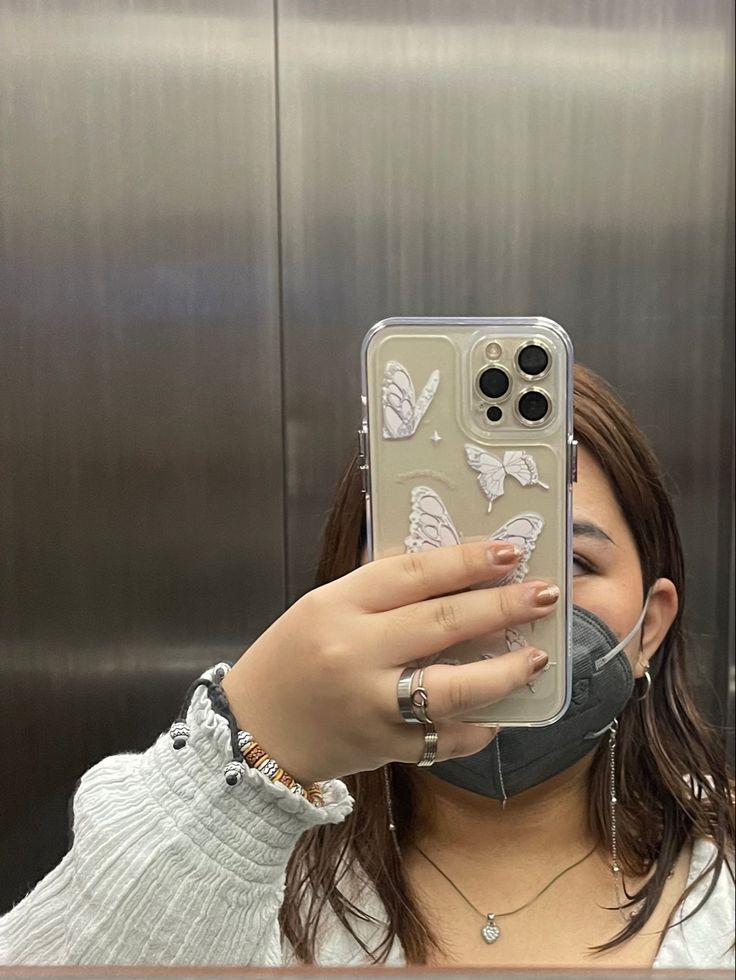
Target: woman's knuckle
[447, 618]
[459, 697]
[333, 651]
[505, 605]
[312, 603]
[415, 569]
[469, 561]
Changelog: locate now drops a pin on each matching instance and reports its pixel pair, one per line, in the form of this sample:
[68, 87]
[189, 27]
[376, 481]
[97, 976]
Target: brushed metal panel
[515, 157]
[141, 499]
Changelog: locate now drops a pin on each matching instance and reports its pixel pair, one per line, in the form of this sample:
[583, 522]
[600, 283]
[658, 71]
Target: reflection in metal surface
[436, 157]
[515, 157]
[141, 495]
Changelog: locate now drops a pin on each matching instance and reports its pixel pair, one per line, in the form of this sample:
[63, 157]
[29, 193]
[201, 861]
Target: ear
[661, 612]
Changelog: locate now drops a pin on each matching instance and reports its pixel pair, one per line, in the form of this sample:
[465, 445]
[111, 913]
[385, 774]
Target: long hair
[673, 781]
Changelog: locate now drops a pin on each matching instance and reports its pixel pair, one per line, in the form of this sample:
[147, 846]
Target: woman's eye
[580, 566]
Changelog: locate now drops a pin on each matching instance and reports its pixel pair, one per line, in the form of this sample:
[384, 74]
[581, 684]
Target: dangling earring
[616, 871]
[648, 678]
[390, 810]
[612, 802]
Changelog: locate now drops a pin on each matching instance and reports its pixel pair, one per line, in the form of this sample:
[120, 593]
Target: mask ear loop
[602, 661]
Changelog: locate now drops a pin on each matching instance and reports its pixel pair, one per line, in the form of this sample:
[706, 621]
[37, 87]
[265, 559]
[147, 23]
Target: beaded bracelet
[243, 744]
[257, 758]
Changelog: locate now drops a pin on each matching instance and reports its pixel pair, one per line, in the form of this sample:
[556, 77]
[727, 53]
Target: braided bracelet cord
[244, 746]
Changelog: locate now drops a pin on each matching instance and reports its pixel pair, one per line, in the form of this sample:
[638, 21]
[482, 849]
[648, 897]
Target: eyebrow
[586, 529]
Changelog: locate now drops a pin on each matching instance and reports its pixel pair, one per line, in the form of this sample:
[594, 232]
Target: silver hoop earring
[648, 678]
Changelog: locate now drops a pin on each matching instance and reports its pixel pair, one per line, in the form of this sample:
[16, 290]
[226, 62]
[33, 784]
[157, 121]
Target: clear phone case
[450, 457]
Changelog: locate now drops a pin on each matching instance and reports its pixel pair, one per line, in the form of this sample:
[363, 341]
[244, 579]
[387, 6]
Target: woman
[610, 846]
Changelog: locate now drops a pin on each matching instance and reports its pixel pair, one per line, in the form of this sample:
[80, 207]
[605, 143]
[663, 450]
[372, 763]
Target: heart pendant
[490, 931]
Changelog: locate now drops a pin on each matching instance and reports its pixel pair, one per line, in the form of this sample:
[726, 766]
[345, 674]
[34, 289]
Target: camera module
[533, 406]
[533, 360]
[494, 382]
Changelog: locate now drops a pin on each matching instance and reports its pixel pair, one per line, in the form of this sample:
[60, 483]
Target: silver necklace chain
[491, 932]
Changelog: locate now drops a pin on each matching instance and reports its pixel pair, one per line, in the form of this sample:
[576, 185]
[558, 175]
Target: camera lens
[494, 414]
[532, 360]
[494, 382]
[533, 406]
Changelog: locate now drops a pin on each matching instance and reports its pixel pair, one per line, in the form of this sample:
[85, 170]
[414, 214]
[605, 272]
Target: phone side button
[574, 461]
[362, 463]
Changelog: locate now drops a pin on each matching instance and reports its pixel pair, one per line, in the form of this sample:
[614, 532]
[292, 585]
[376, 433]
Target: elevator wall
[204, 204]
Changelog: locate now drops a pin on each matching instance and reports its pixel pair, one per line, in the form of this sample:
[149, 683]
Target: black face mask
[519, 758]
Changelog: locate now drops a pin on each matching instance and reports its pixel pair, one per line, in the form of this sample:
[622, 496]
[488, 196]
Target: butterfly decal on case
[492, 471]
[430, 526]
[402, 410]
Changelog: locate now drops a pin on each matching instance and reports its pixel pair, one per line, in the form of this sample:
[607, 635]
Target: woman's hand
[318, 688]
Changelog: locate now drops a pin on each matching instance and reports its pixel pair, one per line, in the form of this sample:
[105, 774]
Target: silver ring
[420, 700]
[429, 756]
[413, 700]
[404, 693]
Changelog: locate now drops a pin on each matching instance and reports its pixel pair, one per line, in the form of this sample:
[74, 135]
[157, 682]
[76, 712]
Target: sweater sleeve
[169, 864]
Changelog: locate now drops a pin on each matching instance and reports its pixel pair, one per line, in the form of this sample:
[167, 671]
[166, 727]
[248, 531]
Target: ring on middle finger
[429, 749]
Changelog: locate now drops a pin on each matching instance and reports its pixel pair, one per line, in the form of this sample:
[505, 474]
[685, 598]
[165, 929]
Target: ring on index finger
[413, 703]
[413, 700]
[420, 700]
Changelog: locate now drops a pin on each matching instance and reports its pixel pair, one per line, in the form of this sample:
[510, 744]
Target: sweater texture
[171, 866]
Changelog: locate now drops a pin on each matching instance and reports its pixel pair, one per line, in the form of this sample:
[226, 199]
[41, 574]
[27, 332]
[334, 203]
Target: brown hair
[673, 779]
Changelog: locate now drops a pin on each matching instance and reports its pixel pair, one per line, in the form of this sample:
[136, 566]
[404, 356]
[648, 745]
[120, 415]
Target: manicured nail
[547, 595]
[504, 554]
[539, 660]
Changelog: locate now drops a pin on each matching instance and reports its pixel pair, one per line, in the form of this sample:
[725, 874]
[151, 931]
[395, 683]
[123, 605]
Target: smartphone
[467, 434]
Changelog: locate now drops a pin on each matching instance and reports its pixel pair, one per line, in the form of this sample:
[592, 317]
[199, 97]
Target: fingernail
[547, 595]
[504, 554]
[538, 659]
